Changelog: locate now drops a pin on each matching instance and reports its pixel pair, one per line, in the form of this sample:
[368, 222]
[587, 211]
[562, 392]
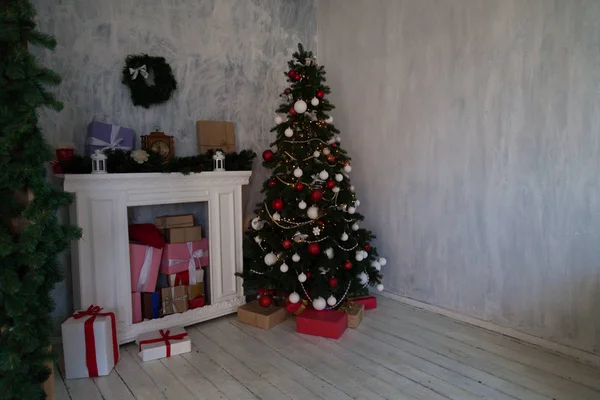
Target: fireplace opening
[169, 259]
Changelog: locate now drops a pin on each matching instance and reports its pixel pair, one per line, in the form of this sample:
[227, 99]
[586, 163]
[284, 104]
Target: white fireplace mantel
[101, 258]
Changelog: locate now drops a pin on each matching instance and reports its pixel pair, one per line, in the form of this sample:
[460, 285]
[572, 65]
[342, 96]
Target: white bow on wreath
[140, 70]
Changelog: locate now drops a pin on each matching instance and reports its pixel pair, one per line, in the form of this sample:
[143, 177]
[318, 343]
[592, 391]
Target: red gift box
[370, 302]
[330, 324]
[197, 302]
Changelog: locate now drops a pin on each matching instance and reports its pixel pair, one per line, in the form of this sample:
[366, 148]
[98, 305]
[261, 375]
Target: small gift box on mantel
[90, 344]
[355, 313]
[163, 343]
[214, 135]
[103, 136]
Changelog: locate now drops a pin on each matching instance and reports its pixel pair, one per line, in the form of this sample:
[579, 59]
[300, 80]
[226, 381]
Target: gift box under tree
[103, 136]
[330, 324]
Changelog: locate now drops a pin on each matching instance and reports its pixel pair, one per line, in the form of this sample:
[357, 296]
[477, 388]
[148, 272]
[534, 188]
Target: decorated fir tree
[30, 234]
[306, 241]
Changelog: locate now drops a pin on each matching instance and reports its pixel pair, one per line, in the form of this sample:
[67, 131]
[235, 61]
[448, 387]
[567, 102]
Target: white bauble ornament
[319, 304]
[335, 189]
[270, 259]
[314, 101]
[295, 257]
[284, 267]
[278, 120]
[302, 205]
[326, 151]
[347, 168]
[344, 237]
[329, 120]
[376, 265]
[302, 277]
[331, 301]
[329, 253]
[288, 132]
[257, 224]
[380, 287]
[338, 138]
[323, 175]
[359, 256]
[313, 212]
[276, 217]
[258, 239]
[300, 106]
[317, 154]
[382, 261]
[351, 210]
[363, 278]
[298, 173]
[339, 177]
[357, 203]
[294, 297]
[355, 226]
[364, 254]
[352, 188]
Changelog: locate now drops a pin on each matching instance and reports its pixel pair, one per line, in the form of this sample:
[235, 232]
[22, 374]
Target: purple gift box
[102, 136]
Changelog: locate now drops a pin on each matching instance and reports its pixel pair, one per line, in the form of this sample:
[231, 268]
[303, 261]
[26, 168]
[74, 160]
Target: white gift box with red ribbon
[163, 343]
[90, 344]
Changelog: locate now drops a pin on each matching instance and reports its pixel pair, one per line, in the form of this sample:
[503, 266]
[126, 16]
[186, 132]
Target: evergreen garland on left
[31, 237]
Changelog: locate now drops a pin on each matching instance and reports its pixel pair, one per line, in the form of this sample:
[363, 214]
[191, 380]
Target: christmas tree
[306, 241]
[30, 234]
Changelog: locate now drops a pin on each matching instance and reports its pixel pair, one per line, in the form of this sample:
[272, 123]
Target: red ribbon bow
[90, 340]
[165, 337]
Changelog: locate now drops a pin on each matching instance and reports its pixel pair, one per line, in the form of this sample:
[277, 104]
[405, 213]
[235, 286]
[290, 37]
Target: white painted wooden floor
[398, 352]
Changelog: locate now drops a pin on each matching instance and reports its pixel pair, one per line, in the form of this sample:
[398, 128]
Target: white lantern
[219, 161]
[98, 162]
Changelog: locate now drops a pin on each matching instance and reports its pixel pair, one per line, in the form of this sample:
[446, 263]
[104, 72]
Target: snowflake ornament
[316, 231]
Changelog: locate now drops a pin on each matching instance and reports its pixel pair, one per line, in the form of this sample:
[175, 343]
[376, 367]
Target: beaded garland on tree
[306, 241]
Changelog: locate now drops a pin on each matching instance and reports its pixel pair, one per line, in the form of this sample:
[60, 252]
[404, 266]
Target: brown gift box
[264, 318]
[184, 235]
[174, 221]
[174, 300]
[355, 312]
[195, 290]
[214, 135]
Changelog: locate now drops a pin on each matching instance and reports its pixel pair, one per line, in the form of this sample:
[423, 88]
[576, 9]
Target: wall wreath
[150, 79]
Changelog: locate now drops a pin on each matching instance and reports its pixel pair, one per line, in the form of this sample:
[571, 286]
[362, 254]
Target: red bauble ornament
[265, 301]
[367, 247]
[333, 144]
[277, 204]
[316, 195]
[331, 184]
[268, 155]
[297, 77]
[292, 112]
[291, 74]
[299, 186]
[333, 282]
[331, 158]
[320, 222]
[287, 243]
[308, 275]
[320, 94]
[287, 91]
[314, 248]
[272, 182]
[348, 265]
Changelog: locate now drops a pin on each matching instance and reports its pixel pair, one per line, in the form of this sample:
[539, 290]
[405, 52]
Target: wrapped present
[213, 135]
[296, 308]
[162, 281]
[174, 300]
[179, 257]
[136, 307]
[330, 324]
[195, 291]
[147, 234]
[183, 235]
[174, 221]
[90, 343]
[163, 343]
[370, 302]
[183, 278]
[103, 136]
[197, 302]
[144, 262]
[264, 318]
[355, 312]
[204, 260]
[151, 305]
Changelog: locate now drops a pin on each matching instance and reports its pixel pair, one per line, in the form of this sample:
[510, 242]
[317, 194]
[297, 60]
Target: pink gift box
[136, 307]
[176, 257]
[204, 247]
[144, 262]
